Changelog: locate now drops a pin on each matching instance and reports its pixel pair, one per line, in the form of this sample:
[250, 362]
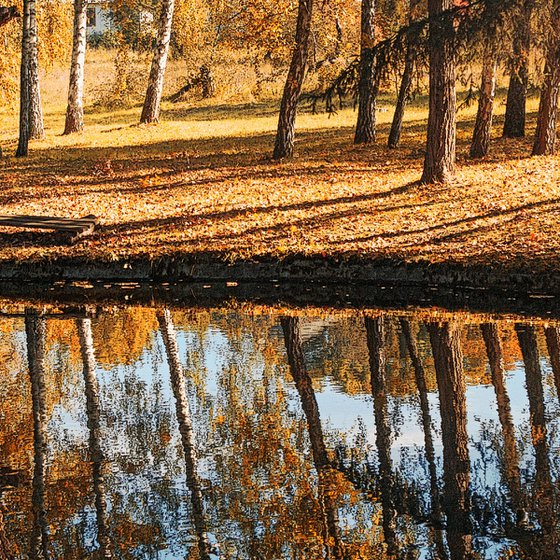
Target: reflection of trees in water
[332, 542]
[448, 361]
[35, 329]
[264, 473]
[185, 429]
[544, 498]
[377, 361]
[95, 450]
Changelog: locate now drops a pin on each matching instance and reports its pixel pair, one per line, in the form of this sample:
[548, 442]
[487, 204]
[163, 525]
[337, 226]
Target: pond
[253, 432]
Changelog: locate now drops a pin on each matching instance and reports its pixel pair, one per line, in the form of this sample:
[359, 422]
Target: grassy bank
[202, 182]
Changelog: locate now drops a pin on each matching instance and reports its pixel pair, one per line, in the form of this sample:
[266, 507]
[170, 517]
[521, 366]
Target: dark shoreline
[297, 281]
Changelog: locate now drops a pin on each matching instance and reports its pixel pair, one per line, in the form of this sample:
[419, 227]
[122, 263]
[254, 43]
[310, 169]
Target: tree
[375, 333]
[483, 124]
[514, 122]
[367, 87]
[545, 135]
[97, 456]
[75, 108]
[152, 102]
[439, 163]
[448, 360]
[35, 329]
[186, 429]
[284, 145]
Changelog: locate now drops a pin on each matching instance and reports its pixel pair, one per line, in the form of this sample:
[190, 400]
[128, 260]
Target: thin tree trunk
[152, 102]
[490, 334]
[553, 344]
[93, 421]
[35, 329]
[24, 88]
[483, 125]
[284, 145]
[514, 122]
[448, 359]
[544, 494]
[545, 135]
[439, 163]
[294, 349]
[36, 129]
[375, 334]
[75, 109]
[402, 98]
[367, 88]
[420, 377]
[186, 430]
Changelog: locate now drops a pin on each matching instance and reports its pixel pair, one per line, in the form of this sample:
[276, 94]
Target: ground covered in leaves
[202, 182]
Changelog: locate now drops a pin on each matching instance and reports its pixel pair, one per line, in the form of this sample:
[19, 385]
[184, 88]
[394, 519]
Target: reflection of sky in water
[155, 485]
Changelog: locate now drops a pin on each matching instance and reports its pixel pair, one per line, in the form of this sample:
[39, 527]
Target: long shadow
[236, 212]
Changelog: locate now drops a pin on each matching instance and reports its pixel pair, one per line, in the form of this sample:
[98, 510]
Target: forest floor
[202, 183]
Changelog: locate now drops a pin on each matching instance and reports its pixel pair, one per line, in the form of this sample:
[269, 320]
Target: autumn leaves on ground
[203, 182]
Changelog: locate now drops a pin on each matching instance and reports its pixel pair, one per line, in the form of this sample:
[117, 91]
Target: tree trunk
[284, 145]
[294, 350]
[152, 102]
[367, 88]
[375, 334]
[24, 88]
[420, 377]
[186, 430]
[75, 109]
[97, 456]
[514, 123]
[553, 344]
[544, 492]
[439, 163]
[493, 344]
[35, 329]
[545, 136]
[483, 125]
[448, 360]
[402, 99]
[36, 129]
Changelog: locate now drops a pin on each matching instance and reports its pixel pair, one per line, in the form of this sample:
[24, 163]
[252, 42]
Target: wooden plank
[81, 226]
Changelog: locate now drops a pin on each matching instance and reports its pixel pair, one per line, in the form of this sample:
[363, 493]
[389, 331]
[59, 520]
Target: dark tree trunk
[483, 124]
[375, 334]
[35, 329]
[152, 102]
[545, 136]
[553, 344]
[294, 350]
[24, 88]
[186, 430]
[8, 14]
[493, 344]
[402, 98]
[544, 492]
[367, 87]
[420, 377]
[75, 108]
[448, 359]
[514, 123]
[284, 146]
[97, 456]
[439, 163]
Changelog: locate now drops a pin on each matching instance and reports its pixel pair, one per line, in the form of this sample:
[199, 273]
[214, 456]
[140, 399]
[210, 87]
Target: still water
[260, 434]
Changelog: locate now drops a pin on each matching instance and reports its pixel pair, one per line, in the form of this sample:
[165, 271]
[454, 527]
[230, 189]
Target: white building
[98, 18]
